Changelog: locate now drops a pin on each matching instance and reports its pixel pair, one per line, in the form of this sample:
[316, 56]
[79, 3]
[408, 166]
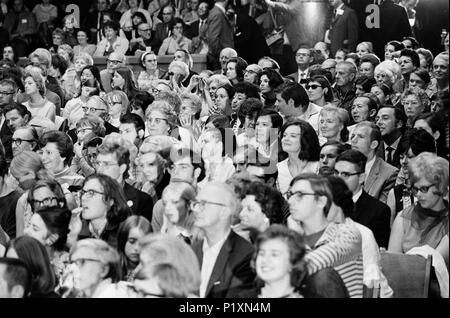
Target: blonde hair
[431, 167]
[166, 249]
[106, 254]
[86, 57]
[391, 69]
[186, 192]
[118, 96]
[25, 162]
[165, 108]
[38, 79]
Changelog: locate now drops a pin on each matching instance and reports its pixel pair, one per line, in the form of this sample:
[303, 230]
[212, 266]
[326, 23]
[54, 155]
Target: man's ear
[141, 134]
[374, 144]
[399, 124]
[372, 113]
[291, 103]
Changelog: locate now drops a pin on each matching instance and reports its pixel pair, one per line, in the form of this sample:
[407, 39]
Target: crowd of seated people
[242, 179]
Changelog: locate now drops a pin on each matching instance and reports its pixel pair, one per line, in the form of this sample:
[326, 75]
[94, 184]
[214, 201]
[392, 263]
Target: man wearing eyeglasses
[8, 90]
[304, 59]
[139, 45]
[113, 160]
[368, 211]
[224, 255]
[114, 61]
[379, 176]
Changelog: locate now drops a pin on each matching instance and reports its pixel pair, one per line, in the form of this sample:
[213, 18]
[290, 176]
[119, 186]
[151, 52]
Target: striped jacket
[340, 247]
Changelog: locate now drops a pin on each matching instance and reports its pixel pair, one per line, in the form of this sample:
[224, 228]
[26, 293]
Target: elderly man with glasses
[113, 62]
[224, 255]
[140, 45]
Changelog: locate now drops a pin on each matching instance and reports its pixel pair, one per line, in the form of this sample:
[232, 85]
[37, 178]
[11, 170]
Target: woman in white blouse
[176, 40]
[301, 144]
[112, 42]
[38, 105]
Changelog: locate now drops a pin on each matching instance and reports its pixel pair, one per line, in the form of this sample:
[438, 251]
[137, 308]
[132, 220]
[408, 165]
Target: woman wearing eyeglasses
[88, 128]
[401, 197]
[319, 91]
[23, 139]
[94, 272]
[117, 106]
[426, 222]
[103, 208]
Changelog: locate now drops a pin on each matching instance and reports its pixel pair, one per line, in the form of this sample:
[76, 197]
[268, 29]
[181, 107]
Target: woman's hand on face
[214, 110]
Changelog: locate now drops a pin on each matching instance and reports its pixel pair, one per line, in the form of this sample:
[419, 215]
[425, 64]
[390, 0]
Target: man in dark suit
[343, 32]
[392, 123]
[394, 25]
[249, 41]
[219, 34]
[368, 211]
[114, 160]
[304, 59]
[162, 30]
[198, 28]
[224, 256]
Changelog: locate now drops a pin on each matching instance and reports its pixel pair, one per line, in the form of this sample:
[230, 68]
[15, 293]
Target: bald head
[225, 55]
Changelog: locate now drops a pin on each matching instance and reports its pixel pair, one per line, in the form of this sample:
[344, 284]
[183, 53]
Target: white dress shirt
[356, 196]
[210, 254]
[394, 146]
[369, 165]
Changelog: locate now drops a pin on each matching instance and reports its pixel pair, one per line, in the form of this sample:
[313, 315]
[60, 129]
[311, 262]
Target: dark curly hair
[270, 200]
[309, 142]
[297, 252]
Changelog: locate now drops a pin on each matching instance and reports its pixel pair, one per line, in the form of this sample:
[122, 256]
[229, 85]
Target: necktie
[389, 154]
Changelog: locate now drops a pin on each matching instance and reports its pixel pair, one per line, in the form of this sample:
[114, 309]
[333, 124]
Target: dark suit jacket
[6, 136]
[250, 43]
[344, 28]
[158, 37]
[394, 25]
[232, 272]
[194, 29]
[219, 34]
[395, 155]
[142, 202]
[375, 215]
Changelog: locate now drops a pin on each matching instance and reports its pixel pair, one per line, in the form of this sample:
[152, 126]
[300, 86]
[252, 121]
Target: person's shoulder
[282, 164]
[239, 242]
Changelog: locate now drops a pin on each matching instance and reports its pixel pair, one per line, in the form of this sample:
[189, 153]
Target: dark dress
[326, 283]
